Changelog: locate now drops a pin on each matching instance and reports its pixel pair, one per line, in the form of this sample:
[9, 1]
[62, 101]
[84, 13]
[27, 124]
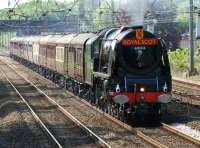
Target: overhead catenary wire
[67, 10]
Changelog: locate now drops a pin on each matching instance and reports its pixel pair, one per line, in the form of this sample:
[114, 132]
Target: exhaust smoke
[135, 10]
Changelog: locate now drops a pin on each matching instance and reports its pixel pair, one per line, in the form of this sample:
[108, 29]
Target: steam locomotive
[124, 71]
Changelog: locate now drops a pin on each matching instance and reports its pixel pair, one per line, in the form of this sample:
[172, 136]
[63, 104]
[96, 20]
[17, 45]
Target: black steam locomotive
[125, 71]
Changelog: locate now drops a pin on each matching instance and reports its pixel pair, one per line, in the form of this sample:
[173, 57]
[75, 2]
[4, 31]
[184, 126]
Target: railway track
[172, 132]
[187, 90]
[106, 130]
[16, 118]
[173, 137]
[97, 121]
[180, 134]
[59, 125]
[148, 137]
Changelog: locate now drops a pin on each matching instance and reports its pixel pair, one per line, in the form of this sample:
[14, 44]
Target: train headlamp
[165, 87]
[117, 89]
[142, 89]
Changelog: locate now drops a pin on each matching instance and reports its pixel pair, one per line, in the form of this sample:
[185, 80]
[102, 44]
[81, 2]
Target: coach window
[79, 55]
[71, 54]
[30, 47]
[76, 55]
[59, 54]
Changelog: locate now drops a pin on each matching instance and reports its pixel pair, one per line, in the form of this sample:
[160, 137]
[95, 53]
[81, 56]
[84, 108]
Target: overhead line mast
[191, 57]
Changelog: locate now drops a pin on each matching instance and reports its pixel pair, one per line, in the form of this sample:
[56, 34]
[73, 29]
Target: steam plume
[136, 10]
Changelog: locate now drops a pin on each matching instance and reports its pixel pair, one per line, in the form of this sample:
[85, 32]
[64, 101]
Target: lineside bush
[179, 60]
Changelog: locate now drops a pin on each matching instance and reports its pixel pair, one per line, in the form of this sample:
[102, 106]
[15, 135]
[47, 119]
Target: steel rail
[180, 134]
[191, 87]
[98, 139]
[139, 133]
[118, 122]
[193, 98]
[124, 125]
[187, 83]
[143, 136]
[38, 120]
[109, 117]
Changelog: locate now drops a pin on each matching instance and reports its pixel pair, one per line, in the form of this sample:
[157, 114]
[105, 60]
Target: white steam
[136, 10]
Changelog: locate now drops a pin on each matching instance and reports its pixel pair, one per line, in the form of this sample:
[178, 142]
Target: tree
[103, 17]
[39, 9]
[167, 28]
